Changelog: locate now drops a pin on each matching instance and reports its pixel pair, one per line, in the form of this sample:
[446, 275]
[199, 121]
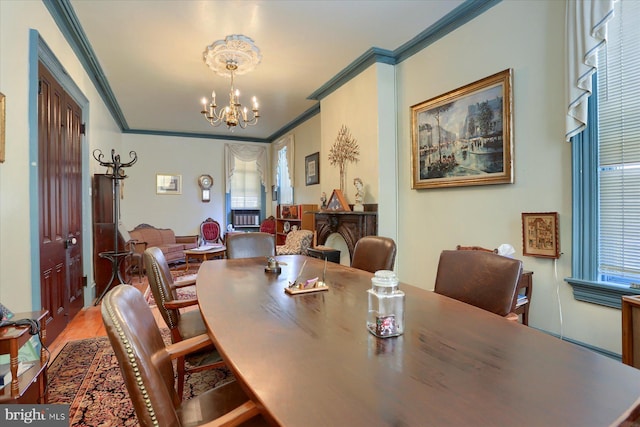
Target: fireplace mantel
[352, 226]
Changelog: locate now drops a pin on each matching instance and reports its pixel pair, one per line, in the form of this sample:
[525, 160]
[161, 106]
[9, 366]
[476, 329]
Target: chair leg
[181, 369]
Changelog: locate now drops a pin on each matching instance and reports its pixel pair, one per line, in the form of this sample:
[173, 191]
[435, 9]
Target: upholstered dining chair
[296, 243]
[210, 231]
[249, 245]
[268, 225]
[146, 365]
[483, 279]
[183, 324]
[373, 253]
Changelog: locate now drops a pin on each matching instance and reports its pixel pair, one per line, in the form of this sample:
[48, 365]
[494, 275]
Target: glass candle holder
[386, 305]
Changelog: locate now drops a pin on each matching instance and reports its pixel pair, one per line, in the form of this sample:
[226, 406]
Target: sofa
[145, 236]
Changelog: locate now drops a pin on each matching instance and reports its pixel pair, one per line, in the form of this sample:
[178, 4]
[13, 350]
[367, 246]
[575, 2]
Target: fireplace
[352, 226]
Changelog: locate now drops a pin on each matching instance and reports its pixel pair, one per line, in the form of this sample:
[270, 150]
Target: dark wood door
[60, 203]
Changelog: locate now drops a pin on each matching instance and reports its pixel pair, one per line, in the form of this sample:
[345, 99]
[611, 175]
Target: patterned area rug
[86, 376]
[178, 275]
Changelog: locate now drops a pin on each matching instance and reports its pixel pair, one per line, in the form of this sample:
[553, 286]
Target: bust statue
[358, 206]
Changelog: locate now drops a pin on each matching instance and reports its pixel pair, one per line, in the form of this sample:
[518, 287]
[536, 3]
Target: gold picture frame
[2, 126]
[464, 137]
[168, 184]
[540, 235]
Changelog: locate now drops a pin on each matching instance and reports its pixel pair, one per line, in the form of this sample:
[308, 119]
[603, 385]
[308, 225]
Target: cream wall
[526, 36]
[19, 279]
[307, 141]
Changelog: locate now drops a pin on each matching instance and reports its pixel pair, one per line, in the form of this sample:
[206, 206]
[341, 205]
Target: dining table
[309, 359]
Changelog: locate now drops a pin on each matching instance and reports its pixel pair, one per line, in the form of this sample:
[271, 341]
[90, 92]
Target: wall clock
[205, 182]
[337, 202]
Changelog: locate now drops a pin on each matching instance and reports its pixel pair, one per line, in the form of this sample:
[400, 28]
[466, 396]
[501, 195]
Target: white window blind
[245, 185]
[619, 147]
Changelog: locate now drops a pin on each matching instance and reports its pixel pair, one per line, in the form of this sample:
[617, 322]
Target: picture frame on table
[540, 235]
[312, 169]
[464, 137]
[168, 184]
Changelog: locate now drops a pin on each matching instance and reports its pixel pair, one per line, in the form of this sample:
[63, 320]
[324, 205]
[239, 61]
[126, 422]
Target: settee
[145, 236]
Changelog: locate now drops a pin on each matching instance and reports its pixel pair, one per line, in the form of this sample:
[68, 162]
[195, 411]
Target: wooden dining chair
[146, 365]
[249, 245]
[373, 253]
[182, 324]
[483, 279]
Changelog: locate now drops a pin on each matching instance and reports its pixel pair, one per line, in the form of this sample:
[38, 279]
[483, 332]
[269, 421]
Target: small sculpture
[323, 200]
[358, 206]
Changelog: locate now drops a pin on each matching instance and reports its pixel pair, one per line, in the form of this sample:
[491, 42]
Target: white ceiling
[151, 53]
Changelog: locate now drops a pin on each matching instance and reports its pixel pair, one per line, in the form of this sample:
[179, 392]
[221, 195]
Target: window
[283, 181]
[245, 185]
[607, 170]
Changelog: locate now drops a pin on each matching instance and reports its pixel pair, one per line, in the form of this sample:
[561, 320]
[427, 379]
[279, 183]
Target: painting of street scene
[464, 137]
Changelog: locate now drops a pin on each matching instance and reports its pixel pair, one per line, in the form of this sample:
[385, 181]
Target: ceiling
[147, 55]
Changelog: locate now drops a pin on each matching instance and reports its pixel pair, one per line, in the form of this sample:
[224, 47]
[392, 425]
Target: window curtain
[586, 34]
[246, 153]
[287, 141]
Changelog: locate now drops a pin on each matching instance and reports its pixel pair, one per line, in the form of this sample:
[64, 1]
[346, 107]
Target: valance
[246, 153]
[586, 34]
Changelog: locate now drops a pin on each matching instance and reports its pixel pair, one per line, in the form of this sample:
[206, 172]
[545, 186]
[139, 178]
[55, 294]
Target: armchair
[296, 243]
[210, 231]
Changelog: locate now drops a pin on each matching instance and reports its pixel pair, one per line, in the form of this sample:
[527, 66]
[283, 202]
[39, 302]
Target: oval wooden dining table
[309, 360]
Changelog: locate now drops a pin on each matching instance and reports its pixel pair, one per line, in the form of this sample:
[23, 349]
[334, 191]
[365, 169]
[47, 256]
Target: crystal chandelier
[235, 55]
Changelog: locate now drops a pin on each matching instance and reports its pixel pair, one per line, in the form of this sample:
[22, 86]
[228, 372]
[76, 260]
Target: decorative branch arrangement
[344, 150]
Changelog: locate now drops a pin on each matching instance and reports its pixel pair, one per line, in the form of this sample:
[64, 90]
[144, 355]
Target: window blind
[619, 147]
[245, 186]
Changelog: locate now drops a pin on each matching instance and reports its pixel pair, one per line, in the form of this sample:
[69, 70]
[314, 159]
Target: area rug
[86, 376]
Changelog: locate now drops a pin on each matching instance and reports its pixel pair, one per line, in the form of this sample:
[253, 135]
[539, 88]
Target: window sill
[607, 294]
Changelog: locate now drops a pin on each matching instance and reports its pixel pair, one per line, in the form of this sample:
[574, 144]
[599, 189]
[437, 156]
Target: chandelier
[235, 55]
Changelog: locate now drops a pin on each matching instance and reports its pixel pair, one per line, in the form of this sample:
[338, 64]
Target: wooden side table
[325, 252]
[526, 283]
[30, 387]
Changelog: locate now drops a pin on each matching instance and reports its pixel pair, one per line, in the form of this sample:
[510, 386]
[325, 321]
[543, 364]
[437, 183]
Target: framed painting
[540, 235]
[312, 168]
[337, 202]
[168, 184]
[464, 137]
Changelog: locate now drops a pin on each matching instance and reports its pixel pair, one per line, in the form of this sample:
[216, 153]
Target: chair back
[373, 253]
[268, 225]
[160, 281]
[146, 367]
[479, 278]
[210, 231]
[249, 245]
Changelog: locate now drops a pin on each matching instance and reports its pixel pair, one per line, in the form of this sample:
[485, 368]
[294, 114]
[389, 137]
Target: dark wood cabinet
[104, 231]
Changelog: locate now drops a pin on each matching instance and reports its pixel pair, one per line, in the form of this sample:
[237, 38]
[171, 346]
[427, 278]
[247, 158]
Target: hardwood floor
[86, 324]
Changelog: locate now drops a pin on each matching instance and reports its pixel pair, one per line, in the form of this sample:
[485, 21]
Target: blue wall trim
[599, 350]
[195, 135]
[66, 19]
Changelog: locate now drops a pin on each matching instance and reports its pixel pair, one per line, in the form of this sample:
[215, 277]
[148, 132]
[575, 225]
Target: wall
[19, 279]
[307, 141]
[526, 36]
[189, 157]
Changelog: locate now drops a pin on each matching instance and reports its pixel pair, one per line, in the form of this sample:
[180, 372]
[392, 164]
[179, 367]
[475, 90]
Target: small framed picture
[168, 184]
[540, 235]
[312, 168]
[337, 202]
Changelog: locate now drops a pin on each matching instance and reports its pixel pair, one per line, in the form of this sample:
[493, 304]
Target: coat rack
[115, 171]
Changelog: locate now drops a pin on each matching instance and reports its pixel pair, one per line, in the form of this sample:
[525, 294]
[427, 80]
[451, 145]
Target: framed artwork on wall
[168, 184]
[464, 137]
[540, 237]
[312, 169]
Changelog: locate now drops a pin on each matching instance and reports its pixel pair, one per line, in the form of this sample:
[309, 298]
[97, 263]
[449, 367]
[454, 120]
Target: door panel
[60, 198]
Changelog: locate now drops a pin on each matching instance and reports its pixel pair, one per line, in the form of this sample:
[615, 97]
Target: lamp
[235, 55]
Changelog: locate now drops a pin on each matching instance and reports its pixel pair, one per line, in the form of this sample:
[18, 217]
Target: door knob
[70, 242]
